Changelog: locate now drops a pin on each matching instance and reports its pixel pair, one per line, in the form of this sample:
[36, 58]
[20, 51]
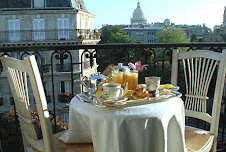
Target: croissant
[140, 93]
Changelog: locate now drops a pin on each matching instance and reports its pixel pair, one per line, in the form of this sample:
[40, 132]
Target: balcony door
[63, 28]
[38, 29]
[14, 30]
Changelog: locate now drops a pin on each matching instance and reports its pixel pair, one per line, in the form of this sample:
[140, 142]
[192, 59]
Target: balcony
[66, 67]
[85, 57]
[48, 35]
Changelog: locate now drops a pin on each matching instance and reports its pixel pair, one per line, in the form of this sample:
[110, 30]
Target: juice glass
[124, 80]
[117, 77]
[132, 80]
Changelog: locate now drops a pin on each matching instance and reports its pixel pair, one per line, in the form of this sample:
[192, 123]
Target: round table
[155, 127]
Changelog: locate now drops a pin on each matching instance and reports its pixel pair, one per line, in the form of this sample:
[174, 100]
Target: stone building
[219, 32]
[46, 21]
[140, 30]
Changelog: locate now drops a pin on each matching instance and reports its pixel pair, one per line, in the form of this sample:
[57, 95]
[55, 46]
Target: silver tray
[174, 88]
[126, 103]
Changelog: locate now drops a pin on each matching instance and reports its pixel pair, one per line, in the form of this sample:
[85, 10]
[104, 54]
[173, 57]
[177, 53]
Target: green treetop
[114, 34]
[171, 36]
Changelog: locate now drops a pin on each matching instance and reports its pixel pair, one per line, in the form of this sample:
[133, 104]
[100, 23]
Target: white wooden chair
[199, 67]
[18, 72]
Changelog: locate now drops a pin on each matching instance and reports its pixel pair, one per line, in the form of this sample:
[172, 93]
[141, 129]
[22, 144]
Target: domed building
[166, 22]
[141, 31]
[138, 16]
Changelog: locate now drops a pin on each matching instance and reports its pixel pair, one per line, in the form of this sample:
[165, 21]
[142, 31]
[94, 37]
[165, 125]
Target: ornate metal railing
[72, 60]
[48, 35]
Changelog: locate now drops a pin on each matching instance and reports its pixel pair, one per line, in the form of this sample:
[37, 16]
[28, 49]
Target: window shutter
[63, 28]
[42, 29]
[60, 27]
[66, 28]
[14, 30]
[39, 29]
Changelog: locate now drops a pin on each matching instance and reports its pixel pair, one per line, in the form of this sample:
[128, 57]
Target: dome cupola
[138, 13]
[138, 16]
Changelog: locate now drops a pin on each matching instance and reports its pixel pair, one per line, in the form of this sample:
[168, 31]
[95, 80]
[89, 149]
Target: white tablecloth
[156, 127]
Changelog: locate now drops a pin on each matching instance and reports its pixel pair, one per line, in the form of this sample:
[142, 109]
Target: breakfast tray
[126, 102]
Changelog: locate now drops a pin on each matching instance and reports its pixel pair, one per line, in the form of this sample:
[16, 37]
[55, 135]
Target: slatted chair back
[199, 67]
[18, 73]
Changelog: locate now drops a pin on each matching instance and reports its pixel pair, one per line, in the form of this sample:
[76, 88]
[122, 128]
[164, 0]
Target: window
[63, 28]
[150, 41]
[38, 29]
[83, 24]
[58, 3]
[89, 25]
[14, 30]
[15, 4]
[65, 86]
[39, 3]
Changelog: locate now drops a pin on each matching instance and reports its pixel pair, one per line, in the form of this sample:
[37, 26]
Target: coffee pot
[92, 83]
[124, 69]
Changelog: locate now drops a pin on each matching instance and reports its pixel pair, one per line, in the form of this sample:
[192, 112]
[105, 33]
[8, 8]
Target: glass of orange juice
[117, 77]
[132, 80]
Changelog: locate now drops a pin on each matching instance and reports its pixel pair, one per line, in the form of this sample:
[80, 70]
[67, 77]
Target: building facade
[219, 32]
[25, 22]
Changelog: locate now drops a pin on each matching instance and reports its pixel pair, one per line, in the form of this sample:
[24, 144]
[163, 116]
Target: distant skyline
[190, 12]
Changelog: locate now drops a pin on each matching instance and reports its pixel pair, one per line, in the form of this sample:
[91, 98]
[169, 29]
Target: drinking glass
[117, 77]
[132, 80]
[152, 83]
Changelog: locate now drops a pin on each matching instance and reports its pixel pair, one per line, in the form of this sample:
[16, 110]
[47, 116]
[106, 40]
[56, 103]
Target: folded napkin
[64, 137]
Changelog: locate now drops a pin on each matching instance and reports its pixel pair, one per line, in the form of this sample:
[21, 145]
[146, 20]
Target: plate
[120, 99]
[163, 86]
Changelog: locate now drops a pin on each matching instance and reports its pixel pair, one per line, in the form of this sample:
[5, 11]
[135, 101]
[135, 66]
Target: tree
[194, 37]
[114, 34]
[171, 36]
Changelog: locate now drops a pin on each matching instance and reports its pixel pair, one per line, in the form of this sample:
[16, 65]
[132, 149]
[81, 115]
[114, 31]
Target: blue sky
[191, 12]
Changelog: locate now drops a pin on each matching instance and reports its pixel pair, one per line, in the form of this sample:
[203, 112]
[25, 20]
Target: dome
[138, 13]
[167, 21]
[138, 16]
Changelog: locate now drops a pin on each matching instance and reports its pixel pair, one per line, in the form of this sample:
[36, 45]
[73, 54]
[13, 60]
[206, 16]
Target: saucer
[120, 99]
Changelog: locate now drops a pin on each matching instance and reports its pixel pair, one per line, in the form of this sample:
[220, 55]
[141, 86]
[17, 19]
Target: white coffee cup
[152, 83]
[112, 91]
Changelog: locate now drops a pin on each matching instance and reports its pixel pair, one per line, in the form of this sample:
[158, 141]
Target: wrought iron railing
[48, 35]
[80, 57]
